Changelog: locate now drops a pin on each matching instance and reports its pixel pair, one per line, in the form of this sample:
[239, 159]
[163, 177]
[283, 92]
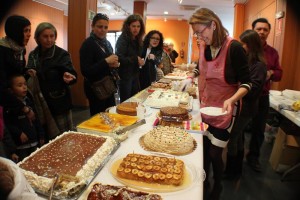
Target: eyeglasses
[198, 34]
[154, 38]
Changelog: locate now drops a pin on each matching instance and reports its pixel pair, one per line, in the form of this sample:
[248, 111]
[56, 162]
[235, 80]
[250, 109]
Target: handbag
[104, 88]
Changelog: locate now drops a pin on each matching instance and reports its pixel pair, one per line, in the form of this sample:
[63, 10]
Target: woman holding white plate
[223, 81]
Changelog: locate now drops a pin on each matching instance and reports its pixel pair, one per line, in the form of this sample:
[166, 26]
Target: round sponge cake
[170, 140]
[127, 108]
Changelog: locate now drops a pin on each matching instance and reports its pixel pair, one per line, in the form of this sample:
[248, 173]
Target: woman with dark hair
[152, 54]
[257, 65]
[129, 49]
[55, 72]
[12, 60]
[97, 61]
[223, 81]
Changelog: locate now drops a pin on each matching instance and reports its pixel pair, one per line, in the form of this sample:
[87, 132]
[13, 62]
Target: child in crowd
[159, 71]
[27, 134]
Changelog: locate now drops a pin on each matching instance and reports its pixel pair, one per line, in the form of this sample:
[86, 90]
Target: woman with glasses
[129, 49]
[223, 81]
[152, 54]
[97, 61]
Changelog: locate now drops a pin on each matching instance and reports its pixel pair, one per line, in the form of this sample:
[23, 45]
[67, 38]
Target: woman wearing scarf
[97, 61]
[55, 72]
[12, 60]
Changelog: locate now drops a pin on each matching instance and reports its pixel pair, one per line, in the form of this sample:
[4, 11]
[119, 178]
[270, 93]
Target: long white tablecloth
[276, 100]
[194, 191]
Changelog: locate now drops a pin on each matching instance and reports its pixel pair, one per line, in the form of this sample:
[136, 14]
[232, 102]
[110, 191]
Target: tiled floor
[266, 185]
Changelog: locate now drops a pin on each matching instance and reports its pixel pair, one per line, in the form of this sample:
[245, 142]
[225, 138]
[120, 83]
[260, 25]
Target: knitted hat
[14, 28]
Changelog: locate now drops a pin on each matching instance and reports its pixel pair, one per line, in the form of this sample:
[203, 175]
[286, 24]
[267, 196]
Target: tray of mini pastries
[153, 172]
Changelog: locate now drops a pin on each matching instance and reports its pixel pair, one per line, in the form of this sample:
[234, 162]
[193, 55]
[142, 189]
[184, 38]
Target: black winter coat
[10, 63]
[16, 124]
[50, 68]
[148, 71]
[92, 64]
[128, 51]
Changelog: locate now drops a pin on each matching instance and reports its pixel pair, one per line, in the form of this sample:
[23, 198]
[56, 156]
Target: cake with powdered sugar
[169, 140]
[75, 155]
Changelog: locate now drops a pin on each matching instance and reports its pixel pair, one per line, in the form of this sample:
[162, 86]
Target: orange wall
[38, 13]
[261, 8]
[169, 29]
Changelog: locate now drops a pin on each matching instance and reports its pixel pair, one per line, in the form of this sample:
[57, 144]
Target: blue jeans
[129, 87]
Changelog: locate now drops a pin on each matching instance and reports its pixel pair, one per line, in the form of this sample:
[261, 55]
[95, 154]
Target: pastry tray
[79, 193]
[193, 176]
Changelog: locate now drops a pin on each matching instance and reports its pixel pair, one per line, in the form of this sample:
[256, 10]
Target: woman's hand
[228, 105]
[151, 56]
[15, 157]
[141, 61]
[200, 43]
[68, 77]
[23, 137]
[112, 59]
[31, 72]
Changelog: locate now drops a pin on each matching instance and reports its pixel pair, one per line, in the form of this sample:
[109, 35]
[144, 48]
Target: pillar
[140, 7]
[239, 17]
[79, 27]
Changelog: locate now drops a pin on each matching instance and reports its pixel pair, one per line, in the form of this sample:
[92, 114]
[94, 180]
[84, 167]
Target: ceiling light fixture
[118, 8]
[166, 12]
[62, 2]
[179, 1]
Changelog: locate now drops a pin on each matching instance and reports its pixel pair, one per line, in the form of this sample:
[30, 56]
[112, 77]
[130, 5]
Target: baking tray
[78, 194]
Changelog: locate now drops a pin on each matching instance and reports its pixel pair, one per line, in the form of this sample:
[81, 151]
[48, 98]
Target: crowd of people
[36, 104]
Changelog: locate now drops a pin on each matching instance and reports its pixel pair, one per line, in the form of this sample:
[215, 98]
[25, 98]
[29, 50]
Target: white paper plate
[212, 111]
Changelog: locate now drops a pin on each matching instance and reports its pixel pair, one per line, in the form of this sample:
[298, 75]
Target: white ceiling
[155, 8]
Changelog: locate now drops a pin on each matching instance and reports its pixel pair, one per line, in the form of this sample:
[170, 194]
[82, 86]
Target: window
[112, 37]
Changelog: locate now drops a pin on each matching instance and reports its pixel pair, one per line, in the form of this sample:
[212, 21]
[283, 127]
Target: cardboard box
[285, 152]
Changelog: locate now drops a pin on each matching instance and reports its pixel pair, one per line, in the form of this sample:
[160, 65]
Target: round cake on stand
[127, 108]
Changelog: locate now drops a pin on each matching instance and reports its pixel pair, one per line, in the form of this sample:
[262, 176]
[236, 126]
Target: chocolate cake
[173, 116]
[74, 154]
[110, 192]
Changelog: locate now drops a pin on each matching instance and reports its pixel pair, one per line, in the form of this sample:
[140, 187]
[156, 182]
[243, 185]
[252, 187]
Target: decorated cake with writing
[171, 140]
[72, 155]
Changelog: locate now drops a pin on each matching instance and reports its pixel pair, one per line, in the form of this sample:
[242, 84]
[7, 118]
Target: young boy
[27, 134]
[159, 71]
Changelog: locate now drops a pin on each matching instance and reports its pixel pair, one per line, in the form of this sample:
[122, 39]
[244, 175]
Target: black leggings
[213, 155]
